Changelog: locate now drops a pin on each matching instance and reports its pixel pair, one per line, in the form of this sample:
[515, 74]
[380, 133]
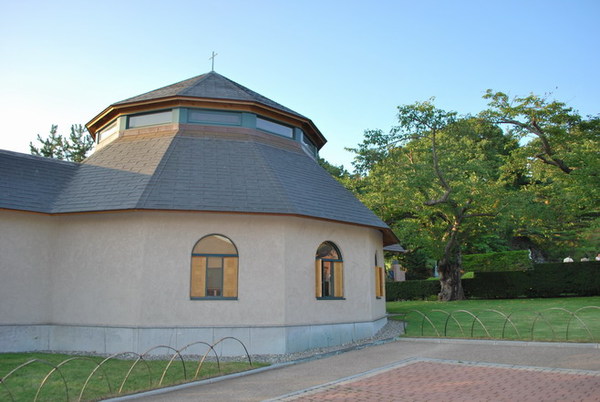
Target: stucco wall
[26, 241]
[357, 246]
[130, 271]
[133, 268]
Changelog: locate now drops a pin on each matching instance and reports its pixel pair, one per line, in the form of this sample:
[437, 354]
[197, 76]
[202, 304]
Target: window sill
[331, 298]
[213, 298]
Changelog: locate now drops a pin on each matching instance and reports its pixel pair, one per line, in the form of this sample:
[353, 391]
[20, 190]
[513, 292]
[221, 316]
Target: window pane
[275, 128]
[329, 251]
[205, 116]
[308, 143]
[214, 276]
[327, 283]
[215, 262]
[107, 131]
[215, 244]
[214, 279]
[150, 119]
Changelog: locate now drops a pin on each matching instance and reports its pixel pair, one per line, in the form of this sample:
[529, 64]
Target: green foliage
[415, 263]
[336, 171]
[501, 261]
[73, 148]
[436, 179]
[544, 280]
[525, 168]
[548, 121]
[411, 290]
[555, 171]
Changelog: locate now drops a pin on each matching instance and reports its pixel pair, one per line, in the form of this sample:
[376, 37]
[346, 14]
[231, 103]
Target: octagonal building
[202, 214]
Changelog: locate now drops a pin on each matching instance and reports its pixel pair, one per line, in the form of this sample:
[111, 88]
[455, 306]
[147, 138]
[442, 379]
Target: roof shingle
[210, 85]
[182, 173]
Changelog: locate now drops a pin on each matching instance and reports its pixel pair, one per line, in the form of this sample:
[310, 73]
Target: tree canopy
[73, 148]
[523, 173]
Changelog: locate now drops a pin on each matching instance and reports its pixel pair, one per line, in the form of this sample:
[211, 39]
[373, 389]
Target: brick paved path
[437, 380]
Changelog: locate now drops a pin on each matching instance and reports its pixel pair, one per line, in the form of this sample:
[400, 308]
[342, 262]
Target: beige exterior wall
[26, 241]
[132, 270]
[137, 264]
[357, 246]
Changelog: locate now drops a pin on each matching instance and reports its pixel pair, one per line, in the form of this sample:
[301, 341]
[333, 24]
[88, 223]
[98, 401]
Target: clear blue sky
[344, 64]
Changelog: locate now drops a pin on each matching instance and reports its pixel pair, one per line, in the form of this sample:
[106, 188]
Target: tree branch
[478, 215]
[547, 150]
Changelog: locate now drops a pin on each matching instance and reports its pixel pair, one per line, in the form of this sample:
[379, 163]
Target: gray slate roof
[181, 173]
[32, 183]
[210, 85]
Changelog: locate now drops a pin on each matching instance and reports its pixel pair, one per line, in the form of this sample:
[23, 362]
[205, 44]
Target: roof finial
[213, 60]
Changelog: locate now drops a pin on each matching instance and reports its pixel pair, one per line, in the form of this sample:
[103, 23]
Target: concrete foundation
[164, 341]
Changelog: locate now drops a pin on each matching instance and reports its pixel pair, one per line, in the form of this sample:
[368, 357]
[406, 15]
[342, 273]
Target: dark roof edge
[38, 157]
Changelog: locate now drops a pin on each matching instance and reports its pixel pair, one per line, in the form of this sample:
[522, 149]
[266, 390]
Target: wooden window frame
[229, 274]
[336, 277]
[379, 282]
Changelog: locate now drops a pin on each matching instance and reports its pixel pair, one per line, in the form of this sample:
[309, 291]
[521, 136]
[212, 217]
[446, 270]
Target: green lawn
[106, 381]
[563, 319]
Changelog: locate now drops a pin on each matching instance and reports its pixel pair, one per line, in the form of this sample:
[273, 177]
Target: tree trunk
[449, 269]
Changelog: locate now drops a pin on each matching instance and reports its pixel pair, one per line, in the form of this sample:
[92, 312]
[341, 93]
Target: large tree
[436, 174]
[73, 148]
[559, 164]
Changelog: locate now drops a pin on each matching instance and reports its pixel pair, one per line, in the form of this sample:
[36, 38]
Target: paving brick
[442, 381]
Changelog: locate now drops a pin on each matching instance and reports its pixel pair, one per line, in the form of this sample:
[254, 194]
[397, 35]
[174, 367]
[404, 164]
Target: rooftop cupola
[207, 99]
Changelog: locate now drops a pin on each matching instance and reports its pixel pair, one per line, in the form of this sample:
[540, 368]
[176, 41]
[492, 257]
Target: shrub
[544, 280]
[494, 262]
[497, 285]
[411, 290]
[575, 278]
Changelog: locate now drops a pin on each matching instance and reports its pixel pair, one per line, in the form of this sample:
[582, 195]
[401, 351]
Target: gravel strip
[390, 331]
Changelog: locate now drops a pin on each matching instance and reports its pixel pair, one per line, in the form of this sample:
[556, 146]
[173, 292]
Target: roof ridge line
[197, 77]
[256, 94]
[196, 80]
[275, 174]
[157, 173]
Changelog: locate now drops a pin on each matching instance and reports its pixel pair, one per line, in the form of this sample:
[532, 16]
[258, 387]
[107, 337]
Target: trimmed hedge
[411, 290]
[545, 280]
[497, 262]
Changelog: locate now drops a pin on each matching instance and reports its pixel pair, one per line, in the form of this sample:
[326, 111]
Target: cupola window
[106, 132]
[214, 117]
[275, 128]
[308, 144]
[150, 119]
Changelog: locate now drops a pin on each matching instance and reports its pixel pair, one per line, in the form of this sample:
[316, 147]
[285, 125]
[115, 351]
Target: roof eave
[116, 110]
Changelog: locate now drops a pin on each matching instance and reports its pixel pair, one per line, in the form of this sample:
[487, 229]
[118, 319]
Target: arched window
[329, 272]
[214, 268]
